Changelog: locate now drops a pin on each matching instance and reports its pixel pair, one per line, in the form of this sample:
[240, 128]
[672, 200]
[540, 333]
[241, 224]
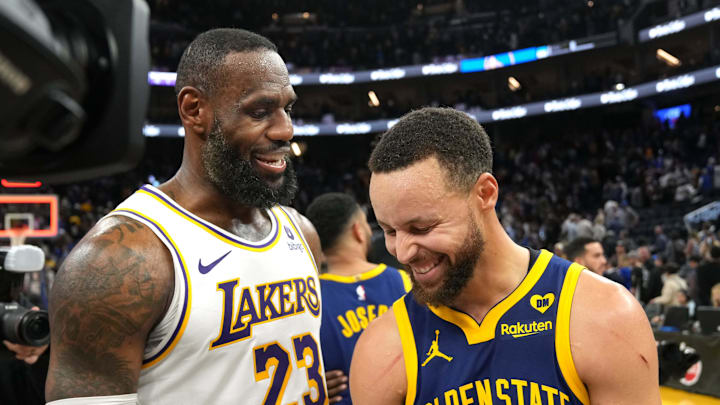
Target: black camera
[24, 326]
[73, 85]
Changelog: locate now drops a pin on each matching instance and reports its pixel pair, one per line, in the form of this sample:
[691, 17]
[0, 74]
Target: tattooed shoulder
[111, 290]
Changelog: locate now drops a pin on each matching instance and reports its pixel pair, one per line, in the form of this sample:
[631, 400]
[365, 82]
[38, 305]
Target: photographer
[23, 354]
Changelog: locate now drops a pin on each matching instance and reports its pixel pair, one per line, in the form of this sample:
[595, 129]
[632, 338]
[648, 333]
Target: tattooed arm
[110, 292]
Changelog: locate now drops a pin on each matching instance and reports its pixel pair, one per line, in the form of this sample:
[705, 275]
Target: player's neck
[501, 268]
[347, 265]
[202, 199]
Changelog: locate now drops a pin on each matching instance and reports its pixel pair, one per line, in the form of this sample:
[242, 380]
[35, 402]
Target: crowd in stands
[341, 36]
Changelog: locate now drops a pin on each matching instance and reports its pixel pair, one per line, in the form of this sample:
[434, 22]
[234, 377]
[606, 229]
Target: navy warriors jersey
[243, 326]
[349, 304]
[519, 354]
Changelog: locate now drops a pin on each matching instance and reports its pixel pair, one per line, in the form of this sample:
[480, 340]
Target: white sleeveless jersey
[243, 326]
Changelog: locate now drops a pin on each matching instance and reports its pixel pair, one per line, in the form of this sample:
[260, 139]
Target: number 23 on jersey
[306, 355]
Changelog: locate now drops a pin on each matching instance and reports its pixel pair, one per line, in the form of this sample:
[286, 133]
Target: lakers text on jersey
[244, 322]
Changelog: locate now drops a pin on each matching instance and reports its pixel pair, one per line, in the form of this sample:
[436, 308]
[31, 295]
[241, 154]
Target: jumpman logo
[434, 351]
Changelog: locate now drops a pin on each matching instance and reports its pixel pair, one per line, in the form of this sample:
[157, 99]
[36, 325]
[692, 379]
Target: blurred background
[604, 117]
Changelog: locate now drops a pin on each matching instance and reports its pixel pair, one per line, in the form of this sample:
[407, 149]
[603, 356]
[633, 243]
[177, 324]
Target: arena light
[374, 101]
[295, 149]
[19, 184]
[514, 84]
[668, 58]
[619, 86]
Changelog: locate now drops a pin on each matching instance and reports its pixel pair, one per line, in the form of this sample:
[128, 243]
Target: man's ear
[357, 231]
[194, 110]
[485, 192]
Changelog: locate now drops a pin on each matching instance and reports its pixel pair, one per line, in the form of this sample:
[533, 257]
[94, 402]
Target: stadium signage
[567, 104]
[296, 80]
[618, 96]
[712, 15]
[387, 74]
[354, 128]
[337, 78]
[707, 75]
[680, 24]
[679, 82]
[439, 69]
[666, 29]
[509, 113]
[308, 130]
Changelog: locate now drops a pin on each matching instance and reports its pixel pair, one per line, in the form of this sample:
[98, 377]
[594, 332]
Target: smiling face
[429, 227]
[246, 154]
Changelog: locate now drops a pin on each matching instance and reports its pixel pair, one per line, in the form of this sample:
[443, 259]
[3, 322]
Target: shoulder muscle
[612, 343]
[111, 290]
[377, 371]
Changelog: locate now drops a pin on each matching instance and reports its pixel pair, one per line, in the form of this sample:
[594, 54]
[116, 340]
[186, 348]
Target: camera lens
[35, 327]
[23, 326]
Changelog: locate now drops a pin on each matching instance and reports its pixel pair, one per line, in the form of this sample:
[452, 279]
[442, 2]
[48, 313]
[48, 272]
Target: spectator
[715, 296]
[672, 284]
[587, 252]
[708, 274]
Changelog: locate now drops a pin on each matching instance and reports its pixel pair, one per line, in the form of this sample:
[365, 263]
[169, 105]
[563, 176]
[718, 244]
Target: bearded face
[234, 175]
[457, 275]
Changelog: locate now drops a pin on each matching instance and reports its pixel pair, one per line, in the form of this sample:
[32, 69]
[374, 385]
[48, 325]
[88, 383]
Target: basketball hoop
[18, 235]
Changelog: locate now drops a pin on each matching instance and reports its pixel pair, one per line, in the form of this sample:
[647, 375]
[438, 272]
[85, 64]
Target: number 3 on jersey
[272, 354]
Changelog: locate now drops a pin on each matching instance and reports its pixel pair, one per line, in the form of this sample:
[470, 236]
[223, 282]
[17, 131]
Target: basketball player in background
[487, 320]
[354, 290]
[202, 290]
[587, 252]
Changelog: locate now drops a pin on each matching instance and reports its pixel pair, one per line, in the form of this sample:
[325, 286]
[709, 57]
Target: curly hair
[458, 142]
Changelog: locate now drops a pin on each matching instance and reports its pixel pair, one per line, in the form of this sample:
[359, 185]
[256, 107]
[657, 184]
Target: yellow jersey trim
[485, 331]
[183, 322]
[407, 282]
[562, 335]
[214, 232]
[409, 350]
[358, 277]
[300, 236]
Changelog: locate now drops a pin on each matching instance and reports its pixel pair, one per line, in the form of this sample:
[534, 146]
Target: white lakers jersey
[243, 326]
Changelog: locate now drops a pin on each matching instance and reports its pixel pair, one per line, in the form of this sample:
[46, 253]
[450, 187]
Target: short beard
[234, 176]
[457, 276]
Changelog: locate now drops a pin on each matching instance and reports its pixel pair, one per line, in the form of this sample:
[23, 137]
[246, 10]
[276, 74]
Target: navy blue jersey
[349, 303]
[518, 354]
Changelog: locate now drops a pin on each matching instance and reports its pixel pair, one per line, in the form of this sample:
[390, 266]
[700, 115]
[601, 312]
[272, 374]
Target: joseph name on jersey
[243, 325]
[350, 303]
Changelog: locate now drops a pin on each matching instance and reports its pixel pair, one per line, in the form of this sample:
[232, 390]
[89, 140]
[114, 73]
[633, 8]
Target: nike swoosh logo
[206, 269]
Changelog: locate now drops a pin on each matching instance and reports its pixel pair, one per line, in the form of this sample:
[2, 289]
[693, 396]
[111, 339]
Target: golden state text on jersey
[519, 354]
[244, 322]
